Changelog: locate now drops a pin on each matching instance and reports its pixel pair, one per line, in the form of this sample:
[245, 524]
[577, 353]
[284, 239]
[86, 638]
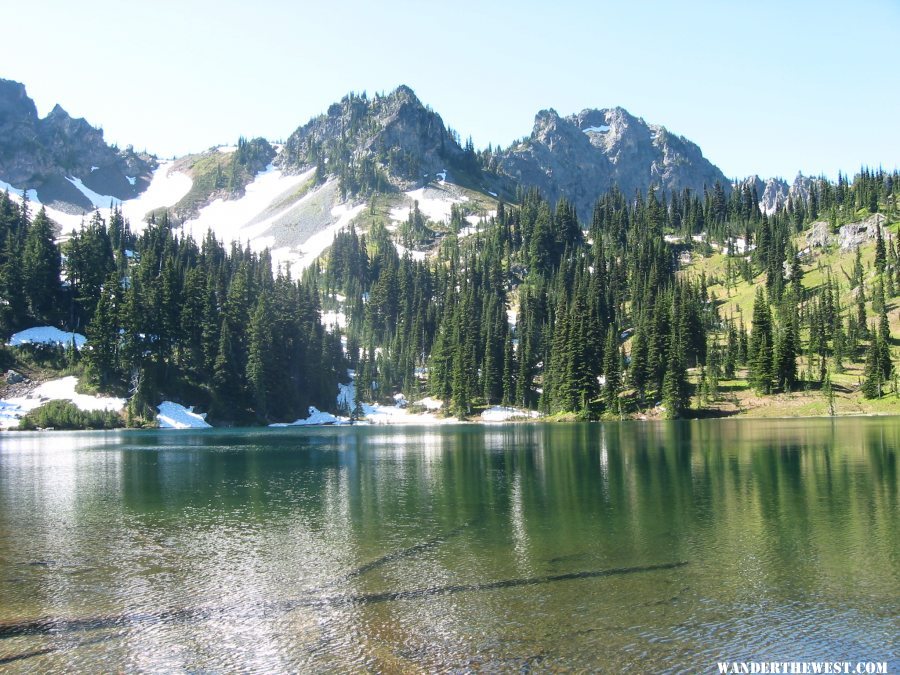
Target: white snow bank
[166, 189]
[334, 320]
[13, 409]
[64, 389]
[395, 414]
[499, 413]
[97, 200]
[176, 416]
[418, 256]
[600, 129]
[46, 335]
[430, 403]
[316, 417]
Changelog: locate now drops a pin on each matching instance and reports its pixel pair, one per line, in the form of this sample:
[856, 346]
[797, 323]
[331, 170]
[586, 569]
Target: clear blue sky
[763, 87]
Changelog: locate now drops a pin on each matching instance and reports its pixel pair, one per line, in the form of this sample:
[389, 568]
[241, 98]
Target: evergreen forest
[659, 304]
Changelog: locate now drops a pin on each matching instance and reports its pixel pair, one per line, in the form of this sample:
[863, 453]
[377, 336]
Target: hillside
[828, 259]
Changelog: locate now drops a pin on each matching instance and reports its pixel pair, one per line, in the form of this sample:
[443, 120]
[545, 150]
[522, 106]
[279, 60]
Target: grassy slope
[736, 397]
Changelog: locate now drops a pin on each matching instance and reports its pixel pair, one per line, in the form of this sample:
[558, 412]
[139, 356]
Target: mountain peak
[581, 156]
[405, 91]
[42, 153]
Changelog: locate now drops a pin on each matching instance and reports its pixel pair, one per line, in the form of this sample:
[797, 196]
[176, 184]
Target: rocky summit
[373, 142]
[582, 156]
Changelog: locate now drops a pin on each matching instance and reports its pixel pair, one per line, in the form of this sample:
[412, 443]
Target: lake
[598, 546]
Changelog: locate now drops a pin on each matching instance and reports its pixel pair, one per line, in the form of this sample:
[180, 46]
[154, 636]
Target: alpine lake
[642, 546]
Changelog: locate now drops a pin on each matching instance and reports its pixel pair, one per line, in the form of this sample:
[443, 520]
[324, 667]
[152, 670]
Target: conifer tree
[760, 346]
[40, 269]
[102, 355]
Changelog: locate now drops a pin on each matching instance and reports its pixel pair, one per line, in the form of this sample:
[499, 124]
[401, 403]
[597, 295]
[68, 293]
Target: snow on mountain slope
[67, 221]
[99, 201]
[247, 218]
[281, 212]
[316, 244]
[165, 189]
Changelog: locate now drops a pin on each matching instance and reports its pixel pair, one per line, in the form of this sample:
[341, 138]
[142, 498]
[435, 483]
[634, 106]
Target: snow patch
[97, 200]
[176, 416]
[46, 335]
[390, 414]
[131, 179]
[95, 168]
[334, 320]
[434, 208]
[599, 129]
[430, 403]
[418, 256]
[499, 413]
[68, 221]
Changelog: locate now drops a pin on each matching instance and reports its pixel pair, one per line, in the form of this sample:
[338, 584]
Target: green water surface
[642, 546]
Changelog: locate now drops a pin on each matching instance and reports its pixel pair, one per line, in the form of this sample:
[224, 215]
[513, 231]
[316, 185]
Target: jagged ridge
[40, 153]
[582, 156]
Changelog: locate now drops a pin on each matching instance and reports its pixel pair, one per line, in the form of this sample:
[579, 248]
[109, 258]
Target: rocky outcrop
[42, 153]
[852, 235]
[582, 156]
[849, 236]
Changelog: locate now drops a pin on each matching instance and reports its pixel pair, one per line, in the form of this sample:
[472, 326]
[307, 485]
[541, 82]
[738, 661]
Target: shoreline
[448, 422]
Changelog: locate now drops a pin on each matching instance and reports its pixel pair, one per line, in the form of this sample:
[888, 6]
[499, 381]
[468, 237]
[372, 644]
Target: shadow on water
[56, 626]
[399, 555]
